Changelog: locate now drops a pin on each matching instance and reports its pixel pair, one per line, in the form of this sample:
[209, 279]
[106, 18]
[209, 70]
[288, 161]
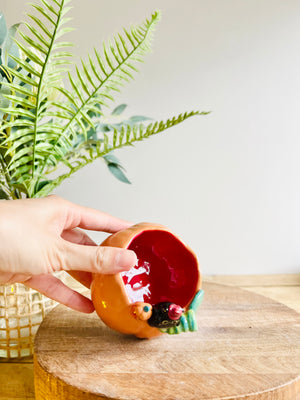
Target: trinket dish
[158, 295]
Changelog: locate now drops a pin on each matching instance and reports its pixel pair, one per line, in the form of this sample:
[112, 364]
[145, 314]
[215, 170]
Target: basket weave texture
[21, 312]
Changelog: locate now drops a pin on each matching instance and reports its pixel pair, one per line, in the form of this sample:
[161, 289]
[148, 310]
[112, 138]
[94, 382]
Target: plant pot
[22, 310]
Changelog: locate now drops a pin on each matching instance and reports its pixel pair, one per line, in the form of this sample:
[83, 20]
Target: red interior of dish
[166, 270]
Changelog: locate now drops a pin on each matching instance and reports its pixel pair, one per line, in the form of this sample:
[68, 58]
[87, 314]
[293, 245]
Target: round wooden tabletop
[246, 347]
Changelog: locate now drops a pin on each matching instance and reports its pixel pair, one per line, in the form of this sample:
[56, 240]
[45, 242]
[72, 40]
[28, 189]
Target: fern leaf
[41, 133]
[40, 24]
[21, 101]
[41, 76]
[94, 69]
[20, 112]
[95, 84]
[43, 12]
[26, 78]
[26, 66]
[39, 46]
[122, 137]
[37, 34]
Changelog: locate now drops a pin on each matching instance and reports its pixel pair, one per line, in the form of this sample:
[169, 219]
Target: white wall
[227, 183]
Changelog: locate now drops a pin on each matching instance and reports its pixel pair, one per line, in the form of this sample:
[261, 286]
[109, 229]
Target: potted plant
[54, 122]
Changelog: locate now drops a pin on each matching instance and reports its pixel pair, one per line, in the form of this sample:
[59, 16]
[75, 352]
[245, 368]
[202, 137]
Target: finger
[9, 277]
[91, 219]
[85, 278]
[95, 259]
[53, 288]
[77, 236]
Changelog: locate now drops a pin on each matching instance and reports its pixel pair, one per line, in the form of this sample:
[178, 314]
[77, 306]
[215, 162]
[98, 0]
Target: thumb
[96, 259]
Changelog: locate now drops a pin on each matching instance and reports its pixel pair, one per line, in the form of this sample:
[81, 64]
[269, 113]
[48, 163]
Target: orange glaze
[115, 300]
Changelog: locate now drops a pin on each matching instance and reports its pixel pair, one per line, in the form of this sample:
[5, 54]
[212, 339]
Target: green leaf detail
[188, 321]
[197, 300]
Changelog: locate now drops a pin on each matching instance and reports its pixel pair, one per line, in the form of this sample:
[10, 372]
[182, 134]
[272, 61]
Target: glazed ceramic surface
[160, 294]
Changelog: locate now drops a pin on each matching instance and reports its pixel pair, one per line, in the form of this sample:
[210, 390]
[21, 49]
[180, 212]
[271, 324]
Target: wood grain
[281, 287]
[247, 347]
[16, 381]
[276, 280]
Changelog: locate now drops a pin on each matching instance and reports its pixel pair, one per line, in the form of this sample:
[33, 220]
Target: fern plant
[53, 121]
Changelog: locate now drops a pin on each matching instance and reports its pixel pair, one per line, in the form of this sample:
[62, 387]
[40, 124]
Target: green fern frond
[40, 132]
[98, 78]
[39, 73]
[90, 150]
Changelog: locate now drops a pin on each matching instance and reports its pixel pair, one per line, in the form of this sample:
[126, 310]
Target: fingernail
[125, 259]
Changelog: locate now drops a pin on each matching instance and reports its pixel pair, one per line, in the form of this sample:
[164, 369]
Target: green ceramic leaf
[197, 300]
[191, 319]
[188, 321]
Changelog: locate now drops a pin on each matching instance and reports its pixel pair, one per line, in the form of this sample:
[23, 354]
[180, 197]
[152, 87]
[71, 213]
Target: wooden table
[16, 378]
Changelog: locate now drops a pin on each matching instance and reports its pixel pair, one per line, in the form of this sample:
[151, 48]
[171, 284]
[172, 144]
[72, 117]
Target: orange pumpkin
[154, 293]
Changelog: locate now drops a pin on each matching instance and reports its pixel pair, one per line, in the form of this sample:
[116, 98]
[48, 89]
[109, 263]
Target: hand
[41, 236]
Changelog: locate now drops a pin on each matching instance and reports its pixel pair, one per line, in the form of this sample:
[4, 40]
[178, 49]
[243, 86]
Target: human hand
[41, 236]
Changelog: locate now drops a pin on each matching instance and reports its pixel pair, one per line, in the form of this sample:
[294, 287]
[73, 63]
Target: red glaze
[166, 270]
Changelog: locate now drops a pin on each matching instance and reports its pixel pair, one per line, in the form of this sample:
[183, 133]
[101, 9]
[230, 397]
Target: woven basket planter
[21, 312]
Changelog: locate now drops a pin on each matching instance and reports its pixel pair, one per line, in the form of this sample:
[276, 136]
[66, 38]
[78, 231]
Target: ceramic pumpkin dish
[160, 294]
